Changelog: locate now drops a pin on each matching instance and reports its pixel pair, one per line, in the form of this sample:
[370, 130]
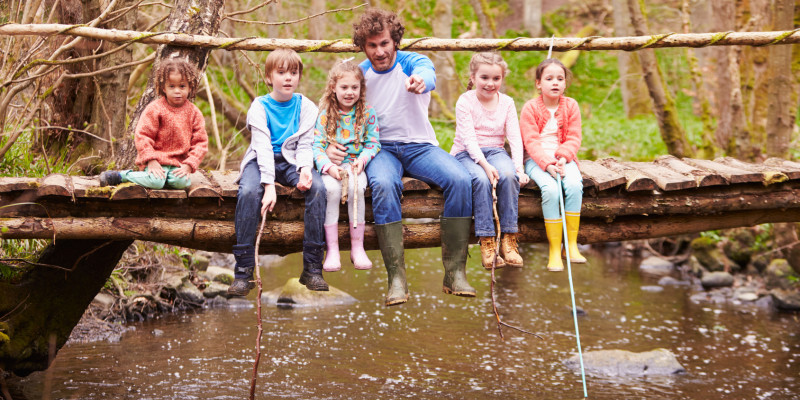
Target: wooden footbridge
[622, 200]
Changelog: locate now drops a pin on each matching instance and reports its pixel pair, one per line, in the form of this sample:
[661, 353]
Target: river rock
[627, 364]
[778, 274]
[740, 246]
[656, 266]
[216, 302]
[215, 289]
[103, 300]
[786, 300]
[219, 274]
[190, 293]
[716, 279]
[670, 281]
[294, 294]
[199, 262]
[708, 254]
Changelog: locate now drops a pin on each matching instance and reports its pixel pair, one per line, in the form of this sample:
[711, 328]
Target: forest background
[75, 117]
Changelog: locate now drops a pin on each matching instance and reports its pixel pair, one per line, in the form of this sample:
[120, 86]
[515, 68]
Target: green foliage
[712, 237]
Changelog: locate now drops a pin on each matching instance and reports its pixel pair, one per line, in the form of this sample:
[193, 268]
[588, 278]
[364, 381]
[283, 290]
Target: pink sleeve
[465, 129]
[514, 136]
[145, 134]
[199, 140]
[572, 133]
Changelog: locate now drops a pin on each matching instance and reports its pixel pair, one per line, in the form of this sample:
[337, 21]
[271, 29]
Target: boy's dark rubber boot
[313, 282]
[243, 271]
[455, 241]
[390, 240]
[110, 178]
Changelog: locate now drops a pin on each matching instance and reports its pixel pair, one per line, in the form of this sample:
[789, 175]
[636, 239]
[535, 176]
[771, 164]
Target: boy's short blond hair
[282, 57]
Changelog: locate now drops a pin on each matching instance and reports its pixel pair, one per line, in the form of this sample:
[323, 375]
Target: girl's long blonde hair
[330, 104]
[485, 57]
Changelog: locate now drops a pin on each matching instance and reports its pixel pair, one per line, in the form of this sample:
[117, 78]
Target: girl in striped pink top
[485, 118]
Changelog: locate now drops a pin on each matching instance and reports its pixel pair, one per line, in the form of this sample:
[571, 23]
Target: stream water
[441, 346]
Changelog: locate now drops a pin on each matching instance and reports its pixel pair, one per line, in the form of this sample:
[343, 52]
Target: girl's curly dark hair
[187, 70]
[373, 22]
[330, 104]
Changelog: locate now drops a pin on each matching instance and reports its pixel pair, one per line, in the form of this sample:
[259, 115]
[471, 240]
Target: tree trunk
[707, 148]
[110, 100]
[635, 98]
[483, 18]
[781, 110]
[316, 27]
[753, 15]
[532, 17]
[724, 12]
[446, 78]
[200, 17]
[51, 299]
[666, 112]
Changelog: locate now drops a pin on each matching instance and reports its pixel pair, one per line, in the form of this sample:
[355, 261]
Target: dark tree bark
[781, 110]
[50, 300]
[185, 17]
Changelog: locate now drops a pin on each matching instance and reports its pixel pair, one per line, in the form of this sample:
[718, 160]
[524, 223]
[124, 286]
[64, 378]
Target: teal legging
[144, 178]
[573, 189]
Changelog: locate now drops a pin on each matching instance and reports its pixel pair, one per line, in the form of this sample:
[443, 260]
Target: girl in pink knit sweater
[485, 118]
[170, 137]
[551, 133]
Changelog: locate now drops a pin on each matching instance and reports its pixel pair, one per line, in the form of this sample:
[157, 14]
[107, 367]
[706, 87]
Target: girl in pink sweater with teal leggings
[170, 137]
[551, 133]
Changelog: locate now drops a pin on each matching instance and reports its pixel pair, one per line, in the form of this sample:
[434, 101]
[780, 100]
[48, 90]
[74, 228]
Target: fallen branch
[630, 43]
[258, 311]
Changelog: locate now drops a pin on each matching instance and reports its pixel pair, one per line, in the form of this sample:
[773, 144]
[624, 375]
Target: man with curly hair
[398, 88]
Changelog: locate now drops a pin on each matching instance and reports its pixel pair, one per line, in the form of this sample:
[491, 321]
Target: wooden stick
[258, 312]
[630, 43]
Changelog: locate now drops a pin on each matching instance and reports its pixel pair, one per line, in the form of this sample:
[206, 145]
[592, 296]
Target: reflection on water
[442, 346]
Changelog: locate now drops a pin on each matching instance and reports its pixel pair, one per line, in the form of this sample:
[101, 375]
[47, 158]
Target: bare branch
[295, 21]
[250, 10]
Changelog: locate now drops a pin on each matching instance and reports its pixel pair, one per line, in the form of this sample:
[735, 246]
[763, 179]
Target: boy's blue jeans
[422, 161]
[573, 189]
[248, 210]
[507, 191]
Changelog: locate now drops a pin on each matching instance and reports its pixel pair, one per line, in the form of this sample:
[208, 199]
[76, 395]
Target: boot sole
[395, 302]
[489, 267]
[555, 269]
[447, 290]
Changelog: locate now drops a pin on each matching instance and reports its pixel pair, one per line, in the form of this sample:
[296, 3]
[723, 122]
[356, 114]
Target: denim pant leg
[573, 188]
[481, 195]
[507, 188]
[549, 189]
[385, 173]
[248, 204]
[314, 217]
[433, 165]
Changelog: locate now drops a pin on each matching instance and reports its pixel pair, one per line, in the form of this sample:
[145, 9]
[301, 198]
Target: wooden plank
[411, 185]
[600, 177]
[666, 179]
[790, 168]
[702, 177]
[128, 191]
[636, 180]
[202, 186]
[769, 174]
[166, 194]
[731, 174]
[86, 186]
[227, 182]
[12, 184]
[55, 185]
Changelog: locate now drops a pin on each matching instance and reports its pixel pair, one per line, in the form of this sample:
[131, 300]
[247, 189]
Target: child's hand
[305, 179]
[184, 170]
[415, 84]
[336, 152]
[268, 201]
[552, 169]
[523, 179]
[334, 172]
[492, 173]
[154, 168]
[358, 166]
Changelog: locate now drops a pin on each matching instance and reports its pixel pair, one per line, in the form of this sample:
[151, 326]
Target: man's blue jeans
[507, 191]
[248, 209]
[422, 161]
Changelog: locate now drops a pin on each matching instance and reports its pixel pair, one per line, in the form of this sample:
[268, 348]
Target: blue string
[569, 274]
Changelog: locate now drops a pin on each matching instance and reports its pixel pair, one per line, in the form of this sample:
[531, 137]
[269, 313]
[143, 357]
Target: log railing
[622, 201]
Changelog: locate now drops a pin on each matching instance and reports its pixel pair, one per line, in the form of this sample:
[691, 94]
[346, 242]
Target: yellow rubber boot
[554, 233]
[573, 222]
